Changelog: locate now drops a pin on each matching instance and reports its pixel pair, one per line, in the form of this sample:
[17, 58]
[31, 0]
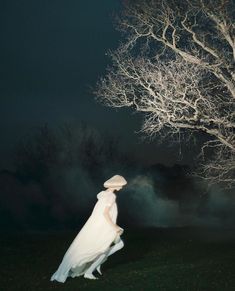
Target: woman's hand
[119, 230]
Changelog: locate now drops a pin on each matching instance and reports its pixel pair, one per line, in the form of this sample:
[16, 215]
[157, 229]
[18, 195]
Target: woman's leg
[101, 259]
[116, 247]
[111, 251]
[88, 274]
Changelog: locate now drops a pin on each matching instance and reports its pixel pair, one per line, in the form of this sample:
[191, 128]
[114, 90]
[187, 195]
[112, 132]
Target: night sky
[52, 55]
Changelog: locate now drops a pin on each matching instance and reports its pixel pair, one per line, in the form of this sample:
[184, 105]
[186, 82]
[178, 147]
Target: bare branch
[177, 68]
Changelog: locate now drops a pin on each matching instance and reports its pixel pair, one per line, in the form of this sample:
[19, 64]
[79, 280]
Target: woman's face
[119, 188]
[116, 188]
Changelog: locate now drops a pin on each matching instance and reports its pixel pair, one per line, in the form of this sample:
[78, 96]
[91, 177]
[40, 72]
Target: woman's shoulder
[106, 194]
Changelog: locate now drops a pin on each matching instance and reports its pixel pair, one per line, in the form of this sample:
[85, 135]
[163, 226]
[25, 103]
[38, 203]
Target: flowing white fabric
[94, 239]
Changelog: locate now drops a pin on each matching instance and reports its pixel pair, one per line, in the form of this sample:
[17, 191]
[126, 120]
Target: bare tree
[176, 66]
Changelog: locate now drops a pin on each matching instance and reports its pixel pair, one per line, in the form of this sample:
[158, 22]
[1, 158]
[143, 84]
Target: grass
[184, 259]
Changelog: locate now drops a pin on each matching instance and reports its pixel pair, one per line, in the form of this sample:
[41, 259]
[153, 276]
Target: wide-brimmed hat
[115, 181]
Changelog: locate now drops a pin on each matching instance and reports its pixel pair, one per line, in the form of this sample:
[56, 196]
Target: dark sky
[52, 52]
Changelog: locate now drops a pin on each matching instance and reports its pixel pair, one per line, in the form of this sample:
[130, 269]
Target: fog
[149, 206]
[58, 175]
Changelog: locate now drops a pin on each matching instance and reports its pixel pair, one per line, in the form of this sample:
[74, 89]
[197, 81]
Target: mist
[148, 205]
[58, 174]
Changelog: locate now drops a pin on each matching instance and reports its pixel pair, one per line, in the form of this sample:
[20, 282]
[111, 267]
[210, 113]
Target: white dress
[94, 239]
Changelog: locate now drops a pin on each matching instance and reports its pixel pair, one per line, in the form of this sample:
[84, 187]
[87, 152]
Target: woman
[92, 245]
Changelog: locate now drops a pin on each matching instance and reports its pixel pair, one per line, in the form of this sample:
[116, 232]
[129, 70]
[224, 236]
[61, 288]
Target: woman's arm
[108, 218]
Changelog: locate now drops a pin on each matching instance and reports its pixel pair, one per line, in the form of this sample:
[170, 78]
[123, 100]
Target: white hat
[115, 181]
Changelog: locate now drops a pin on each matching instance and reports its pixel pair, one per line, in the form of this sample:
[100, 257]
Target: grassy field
[185, 259]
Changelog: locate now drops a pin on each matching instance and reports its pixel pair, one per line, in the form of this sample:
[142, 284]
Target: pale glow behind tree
[176, 66]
